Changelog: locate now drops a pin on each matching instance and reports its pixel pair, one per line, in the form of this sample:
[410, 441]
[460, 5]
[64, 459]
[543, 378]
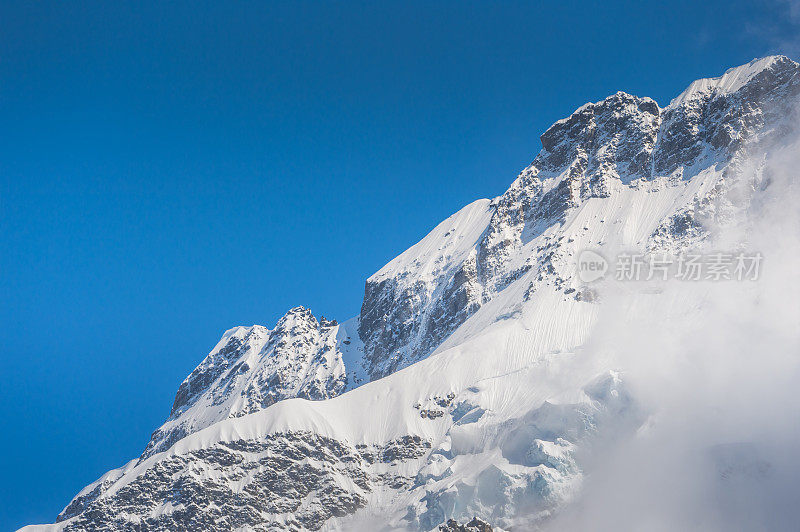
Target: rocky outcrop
[412, 304]
[715, 118]
[293, 481]
[475, 525]
[252, 368]
[402, 324]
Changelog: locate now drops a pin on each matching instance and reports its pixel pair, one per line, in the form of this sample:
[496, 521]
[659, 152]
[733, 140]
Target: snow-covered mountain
[471, 383]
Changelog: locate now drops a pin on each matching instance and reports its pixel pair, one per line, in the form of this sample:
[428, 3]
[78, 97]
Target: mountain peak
[587, 116]
[297, 316]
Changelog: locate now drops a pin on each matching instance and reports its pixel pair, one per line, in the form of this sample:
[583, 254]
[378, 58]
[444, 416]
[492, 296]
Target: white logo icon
[591, 266]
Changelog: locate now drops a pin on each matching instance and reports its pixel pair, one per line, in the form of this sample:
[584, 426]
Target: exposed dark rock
[287, 482]
[476, 525]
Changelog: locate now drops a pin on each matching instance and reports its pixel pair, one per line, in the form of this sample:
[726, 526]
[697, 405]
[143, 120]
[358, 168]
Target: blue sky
[168, 171]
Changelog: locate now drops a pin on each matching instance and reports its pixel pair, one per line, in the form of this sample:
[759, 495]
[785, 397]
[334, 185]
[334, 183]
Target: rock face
[418, 299]
[717, 117]
[262, 436]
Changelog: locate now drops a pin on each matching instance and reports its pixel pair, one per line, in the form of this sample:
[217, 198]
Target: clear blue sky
[171, 171]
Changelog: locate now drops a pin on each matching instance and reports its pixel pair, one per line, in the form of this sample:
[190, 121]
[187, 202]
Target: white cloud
[722, 381]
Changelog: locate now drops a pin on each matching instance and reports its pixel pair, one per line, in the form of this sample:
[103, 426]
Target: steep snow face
[499, 421]
[411, 304]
